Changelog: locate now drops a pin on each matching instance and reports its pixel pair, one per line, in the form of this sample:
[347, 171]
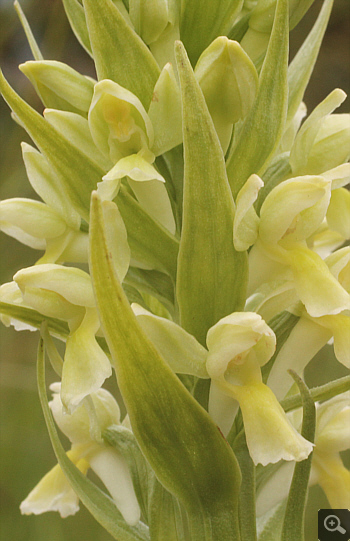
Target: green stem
[293, 526]
[247, 517]
[324, 392]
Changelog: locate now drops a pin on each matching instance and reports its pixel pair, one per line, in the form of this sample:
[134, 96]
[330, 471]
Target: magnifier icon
[332, 524]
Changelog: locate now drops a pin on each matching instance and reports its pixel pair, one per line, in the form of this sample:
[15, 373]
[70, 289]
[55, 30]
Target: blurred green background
[25, 450]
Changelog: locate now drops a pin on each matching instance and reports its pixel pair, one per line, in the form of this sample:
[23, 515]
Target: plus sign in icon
[334, 525]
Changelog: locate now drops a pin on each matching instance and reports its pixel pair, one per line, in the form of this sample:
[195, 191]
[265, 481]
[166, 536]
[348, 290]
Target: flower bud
[59, 86]
[30, 222]
[229, 82]
[149, 18]
[77, 425]
[165, 112]
[246, 221]
[294, 209]
[73, 284]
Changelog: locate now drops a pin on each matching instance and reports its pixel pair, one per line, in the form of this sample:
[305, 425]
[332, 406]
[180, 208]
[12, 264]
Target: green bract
[193, 226]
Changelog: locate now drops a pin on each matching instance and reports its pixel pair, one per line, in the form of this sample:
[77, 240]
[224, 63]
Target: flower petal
[113, 471]
[85, 366]
[54, 492]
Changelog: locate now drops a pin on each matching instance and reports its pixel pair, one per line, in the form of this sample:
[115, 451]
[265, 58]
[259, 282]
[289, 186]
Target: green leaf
[321, 393]
[247, 519]
[119, 53]
[300, 69]
[154, 283]
[203, 21]
[99, 504]
[124, 440]
[162, 413]
[293, 526]
[264, 126]
[28, 32]
[239, 28]
[134, 295]
[211, 279]
[76, 17]
[149, 241]
[171, 166]
[57, 328]
[77, 173]
[165, 520]
[270, 525]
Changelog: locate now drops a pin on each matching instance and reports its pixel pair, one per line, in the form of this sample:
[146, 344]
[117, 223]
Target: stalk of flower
[84, 428]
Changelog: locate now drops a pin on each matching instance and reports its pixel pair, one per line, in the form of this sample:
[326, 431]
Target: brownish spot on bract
[155, 96]
[222, 434]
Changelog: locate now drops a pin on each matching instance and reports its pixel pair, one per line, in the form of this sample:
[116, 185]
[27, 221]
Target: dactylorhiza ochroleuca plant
[194, 230]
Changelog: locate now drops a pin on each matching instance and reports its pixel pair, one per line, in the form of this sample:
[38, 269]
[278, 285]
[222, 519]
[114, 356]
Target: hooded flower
[238, 345]
[83, 428]
[66, 293]
[123, 132]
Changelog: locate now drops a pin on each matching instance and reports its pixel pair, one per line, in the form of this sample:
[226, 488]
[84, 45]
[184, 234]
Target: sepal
[165, 112]
[338, 212]
[85, 366]
[301, 156]
[54, 492]
[179, 349]
[246, 220]
[149, 18]
[59, 86]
